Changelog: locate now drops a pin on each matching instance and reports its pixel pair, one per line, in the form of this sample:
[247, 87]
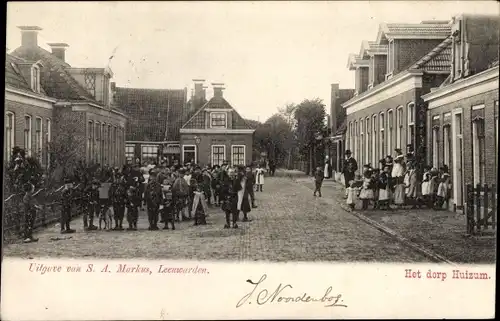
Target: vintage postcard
[250, 160]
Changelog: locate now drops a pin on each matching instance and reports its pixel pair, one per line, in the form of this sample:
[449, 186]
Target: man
[350, 166]
[153, 195]
[92, 199]
[250, 183]
[29, 212]
[272, 167]
[318, 179]
[118, 195]
[67, 200]
[180, 193]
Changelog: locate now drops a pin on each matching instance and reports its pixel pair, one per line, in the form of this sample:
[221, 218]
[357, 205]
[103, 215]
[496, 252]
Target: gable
[197, 121]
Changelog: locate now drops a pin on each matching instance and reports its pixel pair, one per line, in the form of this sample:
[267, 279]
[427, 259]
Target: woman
[412, 188]
[243, 195]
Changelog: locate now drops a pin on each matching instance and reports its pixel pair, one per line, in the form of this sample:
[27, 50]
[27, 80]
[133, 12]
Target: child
[433, 186]
[67, 200]
[442, 191]
[351, 195]
[199, 206]
[366, 193]
[29, 212]
[412, 187]
[133, 202]
[426, 179]
[259, 178]
[167, 208]
[384, 188]
[374, 181]
[318, 180]
[398, 164]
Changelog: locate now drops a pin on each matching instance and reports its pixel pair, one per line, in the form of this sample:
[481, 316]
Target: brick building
[215, 133]
[463, 112]
[47, 97]
[392, 74]
[155, 117]
[338, 125]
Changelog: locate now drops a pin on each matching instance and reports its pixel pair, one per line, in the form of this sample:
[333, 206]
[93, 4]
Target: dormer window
[35, 78]
[218, 120]
[390, 59]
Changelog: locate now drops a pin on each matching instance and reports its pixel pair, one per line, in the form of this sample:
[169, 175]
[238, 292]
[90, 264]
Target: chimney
[218, 89]
[59, 50]
[198, 89]
[29, 36]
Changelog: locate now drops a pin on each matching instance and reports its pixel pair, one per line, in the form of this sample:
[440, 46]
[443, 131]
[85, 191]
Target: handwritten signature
[263, 295]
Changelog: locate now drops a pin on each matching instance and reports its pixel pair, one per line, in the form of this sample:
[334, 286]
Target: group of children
[397, 183]
[170, 195]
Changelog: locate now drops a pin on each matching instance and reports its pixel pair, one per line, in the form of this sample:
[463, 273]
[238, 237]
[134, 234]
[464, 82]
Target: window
[218, 120]
[390, 131]
[372, 72]
[109, 148]
[35, 78]
[49, 139]
[103, 145]
[478, 150]
[435, 146]
[149, 153]
[356, 137]
[90, 145]
[27, 135]
[38, 138]
[10, 123]
[129, 151]
[399, 127]
[411, 124]
[390, 60]
[368, 142]
[218, 154]
[374, 141]
[115, 146]
[361, 140]
[189, 154]
[447, 145]
[382, 135]
[238, 154]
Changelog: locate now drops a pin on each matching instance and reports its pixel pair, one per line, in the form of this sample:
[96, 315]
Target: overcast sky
[267, 53]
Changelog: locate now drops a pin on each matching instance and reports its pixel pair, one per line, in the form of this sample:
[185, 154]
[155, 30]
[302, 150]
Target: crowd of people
[396, 183]
[169, 194]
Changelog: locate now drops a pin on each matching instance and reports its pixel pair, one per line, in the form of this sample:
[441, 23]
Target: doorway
[458, 180]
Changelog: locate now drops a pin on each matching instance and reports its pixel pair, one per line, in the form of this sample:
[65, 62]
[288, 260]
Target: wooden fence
[481, 209]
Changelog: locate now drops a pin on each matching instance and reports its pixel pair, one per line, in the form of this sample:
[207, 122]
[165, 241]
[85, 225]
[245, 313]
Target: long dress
[366, 190]
[243, 197]
[259, 176]
[398, 169]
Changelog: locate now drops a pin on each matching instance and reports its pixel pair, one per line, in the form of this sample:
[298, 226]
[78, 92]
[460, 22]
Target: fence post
[485, 205]
[493, 206]
[478, 207]
[469, 209]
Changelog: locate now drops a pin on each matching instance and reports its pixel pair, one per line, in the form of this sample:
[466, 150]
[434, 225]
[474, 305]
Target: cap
[348, 152]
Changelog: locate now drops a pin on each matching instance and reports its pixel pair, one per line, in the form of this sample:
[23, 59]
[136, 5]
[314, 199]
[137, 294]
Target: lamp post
[197, 141]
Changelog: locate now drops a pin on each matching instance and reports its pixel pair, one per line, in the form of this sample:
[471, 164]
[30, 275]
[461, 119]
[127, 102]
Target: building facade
[338, 125]
[463, 112]
[64, 104]
[392, 74]
[216, 133]
[155, 117]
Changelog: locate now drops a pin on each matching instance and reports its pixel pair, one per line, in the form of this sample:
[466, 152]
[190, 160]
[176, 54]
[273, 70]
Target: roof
[13, 76]
[438, 59]
[55, 78]
[197, 121]
[154, 114]
[424, 30]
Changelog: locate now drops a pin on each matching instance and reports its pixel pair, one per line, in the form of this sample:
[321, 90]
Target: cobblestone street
[288, 225]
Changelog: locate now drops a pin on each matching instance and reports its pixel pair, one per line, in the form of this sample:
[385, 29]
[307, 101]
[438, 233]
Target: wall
[20, 110]
[488, 99]
[402, 99]
[409, 51]
[207, 140]
[380, 63]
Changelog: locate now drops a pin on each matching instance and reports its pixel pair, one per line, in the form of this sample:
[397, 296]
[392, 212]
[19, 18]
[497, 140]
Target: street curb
[428, 253]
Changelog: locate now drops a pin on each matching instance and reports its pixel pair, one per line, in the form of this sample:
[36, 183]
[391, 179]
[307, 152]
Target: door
[458, 160]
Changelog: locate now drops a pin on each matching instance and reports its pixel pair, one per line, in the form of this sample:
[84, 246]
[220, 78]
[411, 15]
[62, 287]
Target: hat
[348, 152]
[398, 150]
[367, 166]
[67, 180]
[95, 181]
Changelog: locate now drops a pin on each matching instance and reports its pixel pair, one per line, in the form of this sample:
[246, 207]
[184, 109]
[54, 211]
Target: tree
[288, 112]
[310, 129]
[66, 147]
[273, 136]
[256, 150]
